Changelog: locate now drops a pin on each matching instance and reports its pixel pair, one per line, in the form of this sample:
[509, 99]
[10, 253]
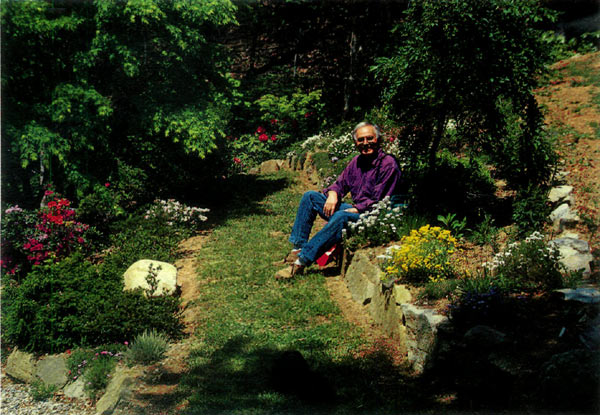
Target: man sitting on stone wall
[369, 177]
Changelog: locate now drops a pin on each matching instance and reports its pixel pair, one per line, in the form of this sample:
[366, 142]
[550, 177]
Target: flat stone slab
[52, 370]
[583, 295]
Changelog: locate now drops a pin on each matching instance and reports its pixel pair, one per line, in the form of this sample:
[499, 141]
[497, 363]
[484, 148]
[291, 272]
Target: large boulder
[52, 370]
[21, 366]
[166, 278]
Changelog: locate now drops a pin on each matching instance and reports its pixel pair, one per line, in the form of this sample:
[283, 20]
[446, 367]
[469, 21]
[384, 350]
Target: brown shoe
[290, 258]
[289, 272]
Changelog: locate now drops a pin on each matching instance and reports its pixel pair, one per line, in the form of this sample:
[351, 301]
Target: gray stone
[574, 254]
[583, 295]
[293, 162]
[401, 294]
[135, 277]
[362, 277]
[386, 313]
[118, 389]
[75, 389]
[560, 193]
[21, 366]
[484, 337]
[421, 334]
[269, 166]
[52, 370]
[563, 218]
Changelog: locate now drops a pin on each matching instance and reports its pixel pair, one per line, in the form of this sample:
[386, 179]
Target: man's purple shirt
[367, 180]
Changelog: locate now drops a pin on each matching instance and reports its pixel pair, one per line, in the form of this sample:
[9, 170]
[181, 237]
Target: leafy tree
[92, 85]
[471, 65]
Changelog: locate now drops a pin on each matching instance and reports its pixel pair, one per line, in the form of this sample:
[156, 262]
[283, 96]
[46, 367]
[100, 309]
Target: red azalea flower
[237, 160]
[273, 121]
[273, 137]
[106, 184]
[260, 130]
[48, 193]
[52, 204]
[263, 137]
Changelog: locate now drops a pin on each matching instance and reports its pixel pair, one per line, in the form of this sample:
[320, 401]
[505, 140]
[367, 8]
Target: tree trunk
[437, 138]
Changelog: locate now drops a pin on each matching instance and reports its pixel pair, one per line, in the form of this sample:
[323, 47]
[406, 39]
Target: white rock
[574, 254]
[136, 274]
[563, 218]
[560, 193]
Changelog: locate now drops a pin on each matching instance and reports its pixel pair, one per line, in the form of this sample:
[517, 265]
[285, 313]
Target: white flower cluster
[342, 146]
[514, 252]
[315, 141]
[382, 218]
[176, 212]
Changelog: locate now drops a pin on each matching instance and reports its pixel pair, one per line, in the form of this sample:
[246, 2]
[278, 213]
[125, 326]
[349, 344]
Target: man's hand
[330, 203]
[352, 210]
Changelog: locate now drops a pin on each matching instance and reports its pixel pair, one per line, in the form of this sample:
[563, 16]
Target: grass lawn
[249, 319]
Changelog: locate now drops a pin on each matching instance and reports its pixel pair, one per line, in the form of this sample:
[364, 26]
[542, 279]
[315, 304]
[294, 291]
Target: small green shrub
[148, 347]
[437, 289]
[530, 209]
[40, 391]
[453, 224]
[484, 233]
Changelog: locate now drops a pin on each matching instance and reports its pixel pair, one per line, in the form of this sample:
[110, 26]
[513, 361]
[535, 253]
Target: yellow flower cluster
[423, 255]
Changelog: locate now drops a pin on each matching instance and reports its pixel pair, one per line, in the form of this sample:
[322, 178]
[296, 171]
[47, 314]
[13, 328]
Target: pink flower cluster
[58, 233]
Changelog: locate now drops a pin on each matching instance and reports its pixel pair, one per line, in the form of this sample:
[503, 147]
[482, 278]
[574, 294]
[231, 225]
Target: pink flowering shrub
[49, 234]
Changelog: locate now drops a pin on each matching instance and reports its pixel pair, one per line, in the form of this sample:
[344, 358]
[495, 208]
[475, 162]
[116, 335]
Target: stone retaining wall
[414, 327]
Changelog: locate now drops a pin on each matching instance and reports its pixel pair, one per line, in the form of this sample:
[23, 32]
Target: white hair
[366, 124]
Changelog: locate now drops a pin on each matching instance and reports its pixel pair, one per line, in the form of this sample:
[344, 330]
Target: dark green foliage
[462, 61]
[531, 209]
[453, 185]
[92, 84]
[74, 303]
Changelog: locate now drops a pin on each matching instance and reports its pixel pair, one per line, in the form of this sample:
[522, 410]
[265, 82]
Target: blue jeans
[312, 203]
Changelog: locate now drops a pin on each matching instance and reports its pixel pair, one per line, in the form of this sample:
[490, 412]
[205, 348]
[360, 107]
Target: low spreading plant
[530, 265]
[94, 365]
[423, 255]
[175, 213]
[148, 347]
[377, 226]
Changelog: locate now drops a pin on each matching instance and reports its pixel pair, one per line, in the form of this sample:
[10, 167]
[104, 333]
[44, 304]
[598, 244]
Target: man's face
[366, 140]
